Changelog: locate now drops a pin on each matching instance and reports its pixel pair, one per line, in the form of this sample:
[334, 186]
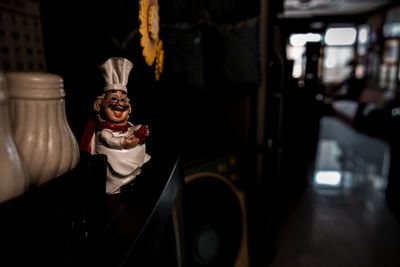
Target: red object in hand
[141, 134]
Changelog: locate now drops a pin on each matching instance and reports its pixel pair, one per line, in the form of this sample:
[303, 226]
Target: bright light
[295, 52]
[313, 37]
[363, 35]
[337, 56]
[330, 62]
[331, 178]
[297, 40]
[300, 39]
[340, 36]
[297, 71]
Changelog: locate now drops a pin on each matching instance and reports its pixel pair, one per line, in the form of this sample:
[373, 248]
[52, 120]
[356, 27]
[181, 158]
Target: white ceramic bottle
[40, 127]
[14, 180]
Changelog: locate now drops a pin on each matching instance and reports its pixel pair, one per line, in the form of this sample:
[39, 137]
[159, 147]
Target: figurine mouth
[118, 111]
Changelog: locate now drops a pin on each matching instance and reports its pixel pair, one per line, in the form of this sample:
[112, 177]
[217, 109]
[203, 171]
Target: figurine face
[116, 107]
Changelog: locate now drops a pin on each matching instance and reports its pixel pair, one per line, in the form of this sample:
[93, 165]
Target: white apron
[123, 164]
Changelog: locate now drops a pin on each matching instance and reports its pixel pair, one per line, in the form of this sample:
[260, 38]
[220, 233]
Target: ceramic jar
[40, 128]
[14, 180]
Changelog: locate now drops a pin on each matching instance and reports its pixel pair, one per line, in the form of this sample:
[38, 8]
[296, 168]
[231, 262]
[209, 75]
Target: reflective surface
[347, 223]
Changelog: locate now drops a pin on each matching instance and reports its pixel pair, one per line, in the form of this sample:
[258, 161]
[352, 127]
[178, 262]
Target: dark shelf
[70, 221]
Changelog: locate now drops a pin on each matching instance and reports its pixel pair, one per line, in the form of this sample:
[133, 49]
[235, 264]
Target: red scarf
[92, 126]
[116, 128]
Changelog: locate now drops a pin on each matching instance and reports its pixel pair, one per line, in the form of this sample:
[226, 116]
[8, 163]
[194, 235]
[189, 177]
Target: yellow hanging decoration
[159, 60]
[149, 29]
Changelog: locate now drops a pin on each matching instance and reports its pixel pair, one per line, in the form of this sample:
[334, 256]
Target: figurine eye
[123, 100]
[114, 99]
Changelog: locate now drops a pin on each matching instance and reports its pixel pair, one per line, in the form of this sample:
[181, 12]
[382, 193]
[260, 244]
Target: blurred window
[336, 63]
[391, 30]
[340, 36]
[296, 48]
[339, 52]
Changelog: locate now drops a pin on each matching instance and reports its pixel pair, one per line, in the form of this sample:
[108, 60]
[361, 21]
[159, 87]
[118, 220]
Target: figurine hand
[142, 133]
[130, 141]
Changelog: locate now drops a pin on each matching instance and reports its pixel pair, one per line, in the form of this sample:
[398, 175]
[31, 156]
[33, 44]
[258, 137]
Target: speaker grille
[212, 220]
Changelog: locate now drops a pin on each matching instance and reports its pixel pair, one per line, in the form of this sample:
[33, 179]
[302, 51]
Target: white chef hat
[116, 73]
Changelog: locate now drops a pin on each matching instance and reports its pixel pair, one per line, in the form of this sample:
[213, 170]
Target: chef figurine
[121, 141]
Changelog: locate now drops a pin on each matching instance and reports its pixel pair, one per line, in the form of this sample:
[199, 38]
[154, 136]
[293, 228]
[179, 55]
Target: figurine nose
[119, 102]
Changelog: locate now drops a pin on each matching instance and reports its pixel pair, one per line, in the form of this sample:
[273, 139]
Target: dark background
[207, 100]
[211, 73]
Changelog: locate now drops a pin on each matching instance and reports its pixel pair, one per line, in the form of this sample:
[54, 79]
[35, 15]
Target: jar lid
[3, 89]
[35, 85]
